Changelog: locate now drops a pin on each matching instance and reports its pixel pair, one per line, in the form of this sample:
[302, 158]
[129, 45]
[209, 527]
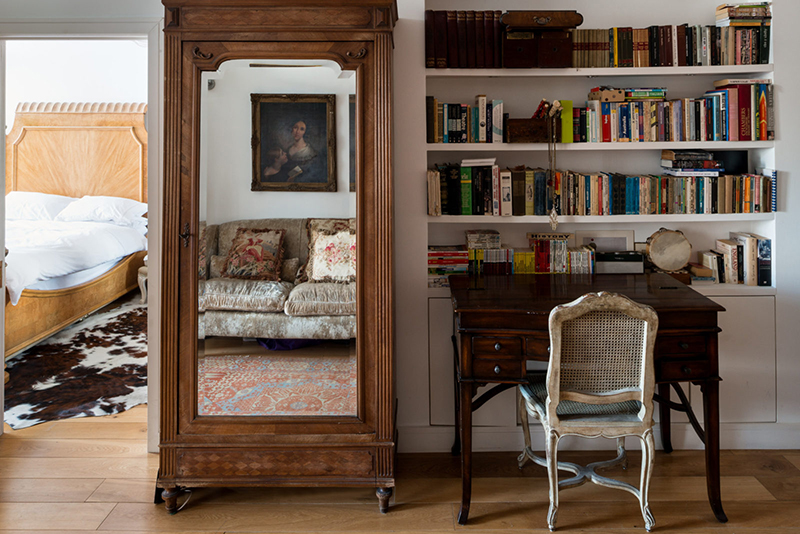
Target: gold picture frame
[294, 142]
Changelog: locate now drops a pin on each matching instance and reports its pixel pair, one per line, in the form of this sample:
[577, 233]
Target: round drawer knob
[685, 370]
[497, 369]
[498, 346]
[548, 350]
[684, 346]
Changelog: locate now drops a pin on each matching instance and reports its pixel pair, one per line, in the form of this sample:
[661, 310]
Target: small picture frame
[606, 240]
[294, 142]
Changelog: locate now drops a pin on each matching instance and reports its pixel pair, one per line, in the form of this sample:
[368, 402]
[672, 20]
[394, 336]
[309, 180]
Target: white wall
[226, 157]
[98, 71]
[413, 229]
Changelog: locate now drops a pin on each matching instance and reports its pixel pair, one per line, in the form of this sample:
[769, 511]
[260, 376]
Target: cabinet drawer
[492, 369]
[683, 370]
[497, 346]
[678, 346]
[537, 348]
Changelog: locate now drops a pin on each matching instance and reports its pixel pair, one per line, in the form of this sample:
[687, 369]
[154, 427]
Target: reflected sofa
[287, 309]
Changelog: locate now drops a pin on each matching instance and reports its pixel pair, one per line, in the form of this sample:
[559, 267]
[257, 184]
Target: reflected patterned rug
[277, 384]
[95, 367]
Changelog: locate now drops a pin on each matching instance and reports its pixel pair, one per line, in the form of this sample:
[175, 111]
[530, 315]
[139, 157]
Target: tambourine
[668, 250]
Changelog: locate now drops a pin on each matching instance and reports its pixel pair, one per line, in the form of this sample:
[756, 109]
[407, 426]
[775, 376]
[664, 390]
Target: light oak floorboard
[145, 467]
[69, 429]
[124, 490]
[284, 518]
[61, 516]
[537, 490]
[47, 490]
[71, 448]
[94, 475]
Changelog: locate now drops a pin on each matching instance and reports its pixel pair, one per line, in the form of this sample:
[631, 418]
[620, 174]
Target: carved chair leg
[648, 454]
[552, 475]
[384, 494]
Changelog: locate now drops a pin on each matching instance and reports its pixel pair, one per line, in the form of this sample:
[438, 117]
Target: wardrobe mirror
[277, 240]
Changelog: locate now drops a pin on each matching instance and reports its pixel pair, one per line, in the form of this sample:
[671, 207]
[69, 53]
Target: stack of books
[744, 14]
[743, 258]
[444, 260]
[690, 163]
[482, 239]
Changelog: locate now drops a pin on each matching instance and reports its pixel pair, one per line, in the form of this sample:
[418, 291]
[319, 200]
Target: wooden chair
[599, 382]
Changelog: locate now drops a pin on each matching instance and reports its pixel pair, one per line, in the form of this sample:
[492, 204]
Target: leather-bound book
[430, 55]
[440, 38]
[452, 40]
[461, 28]
[480, 40]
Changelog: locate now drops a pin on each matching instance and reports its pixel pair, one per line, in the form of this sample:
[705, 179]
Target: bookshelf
[751, 329]
[715, 70]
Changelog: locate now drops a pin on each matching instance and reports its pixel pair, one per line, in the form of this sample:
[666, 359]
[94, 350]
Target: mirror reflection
[277, 243]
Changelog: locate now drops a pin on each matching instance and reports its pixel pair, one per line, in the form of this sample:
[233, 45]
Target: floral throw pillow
[323, 227]
[202, 259]
[255, 254]
[334, 258]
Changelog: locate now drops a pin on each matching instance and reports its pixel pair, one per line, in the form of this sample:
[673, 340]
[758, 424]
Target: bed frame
[74, 149]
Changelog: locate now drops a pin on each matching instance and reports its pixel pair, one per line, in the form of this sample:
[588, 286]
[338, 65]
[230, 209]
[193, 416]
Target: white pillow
[31, 206]
[116, 210]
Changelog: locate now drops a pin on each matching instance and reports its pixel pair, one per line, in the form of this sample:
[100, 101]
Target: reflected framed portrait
[294, 142]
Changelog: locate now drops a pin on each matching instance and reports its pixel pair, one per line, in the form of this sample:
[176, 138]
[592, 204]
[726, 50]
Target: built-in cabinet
[206, 41]
[747, 341]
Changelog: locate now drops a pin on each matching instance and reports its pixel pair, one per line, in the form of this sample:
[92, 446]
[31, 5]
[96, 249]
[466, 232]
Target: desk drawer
[537, 348]
[680, 346]
[492, 369]
[683, 370]
[497, 347]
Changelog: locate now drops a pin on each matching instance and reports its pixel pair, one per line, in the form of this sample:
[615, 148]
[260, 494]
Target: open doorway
[76, 135]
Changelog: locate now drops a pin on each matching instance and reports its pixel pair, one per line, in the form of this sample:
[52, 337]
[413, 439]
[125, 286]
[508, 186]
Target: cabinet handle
[498, 346]
[185, 235]
[684, 345]
[685, 370]
[497, 369]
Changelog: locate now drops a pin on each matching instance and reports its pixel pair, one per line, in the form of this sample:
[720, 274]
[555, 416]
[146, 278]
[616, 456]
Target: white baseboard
[486, 439]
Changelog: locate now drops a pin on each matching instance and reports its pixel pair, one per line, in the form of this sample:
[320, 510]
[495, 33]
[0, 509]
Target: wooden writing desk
[503, 322]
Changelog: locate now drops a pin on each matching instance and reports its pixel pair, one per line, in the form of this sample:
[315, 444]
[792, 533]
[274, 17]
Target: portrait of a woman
[295, 142]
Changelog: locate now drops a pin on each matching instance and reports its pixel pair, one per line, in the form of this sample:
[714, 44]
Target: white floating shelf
[542, 147]
[594, 219]
[714, 70]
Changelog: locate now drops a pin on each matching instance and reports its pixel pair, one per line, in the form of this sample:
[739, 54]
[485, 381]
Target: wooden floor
[94, 474]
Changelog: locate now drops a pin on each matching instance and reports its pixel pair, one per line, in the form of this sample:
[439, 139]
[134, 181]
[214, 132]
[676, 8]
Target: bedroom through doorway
[75, 227]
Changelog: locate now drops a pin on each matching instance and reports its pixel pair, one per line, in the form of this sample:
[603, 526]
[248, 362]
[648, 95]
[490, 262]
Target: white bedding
[40, 250]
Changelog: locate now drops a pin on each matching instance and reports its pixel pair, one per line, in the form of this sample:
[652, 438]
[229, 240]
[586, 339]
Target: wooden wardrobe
[356, 449]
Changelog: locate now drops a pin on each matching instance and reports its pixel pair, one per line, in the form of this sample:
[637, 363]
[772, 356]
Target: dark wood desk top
[502, 299]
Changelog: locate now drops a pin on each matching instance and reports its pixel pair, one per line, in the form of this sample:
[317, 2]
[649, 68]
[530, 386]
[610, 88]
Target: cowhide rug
[95, 367]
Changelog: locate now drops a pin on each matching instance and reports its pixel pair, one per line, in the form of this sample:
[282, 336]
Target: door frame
[150, 28]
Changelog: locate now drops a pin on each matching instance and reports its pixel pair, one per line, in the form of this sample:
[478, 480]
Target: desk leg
[455, 450]
[711, 410]
[466, 450]
[664, 418]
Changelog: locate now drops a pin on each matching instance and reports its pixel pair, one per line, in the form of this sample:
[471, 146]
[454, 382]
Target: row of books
[488, 190]
[483, 122]
[743, 258]
[671, 46]
[463, 39]
[735, 110]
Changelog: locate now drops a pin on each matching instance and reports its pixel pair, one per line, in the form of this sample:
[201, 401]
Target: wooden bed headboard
[77, 149]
